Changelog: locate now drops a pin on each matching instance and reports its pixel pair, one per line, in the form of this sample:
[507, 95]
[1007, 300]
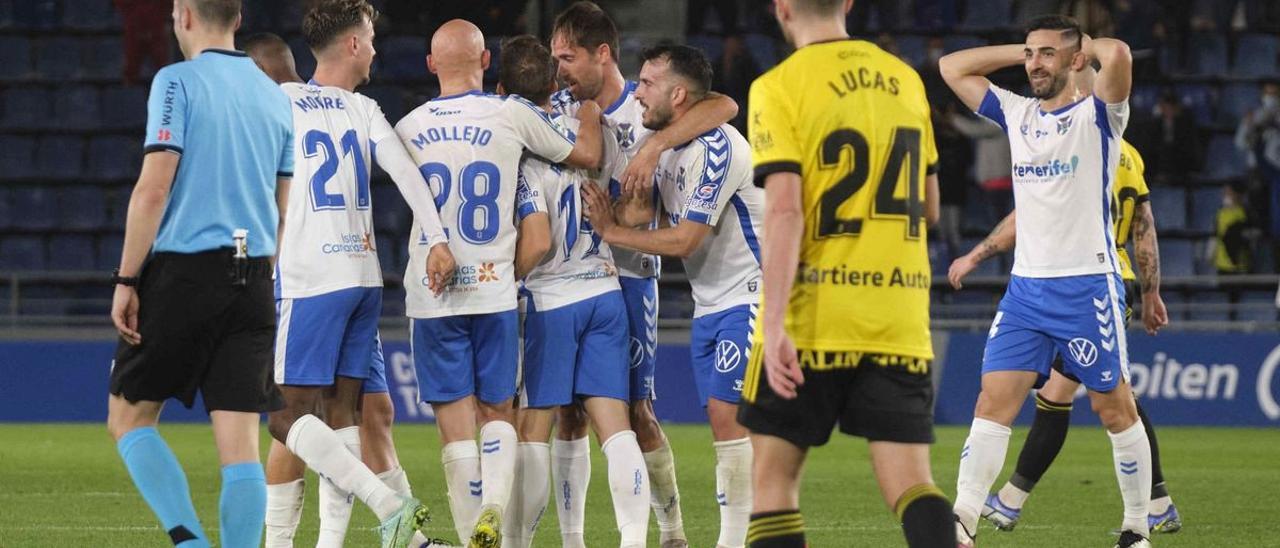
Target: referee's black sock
[1044, 441]
[777, 529]
[926, 516]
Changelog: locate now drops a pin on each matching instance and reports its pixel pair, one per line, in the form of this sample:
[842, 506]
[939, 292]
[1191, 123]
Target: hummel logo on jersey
[1083, 351]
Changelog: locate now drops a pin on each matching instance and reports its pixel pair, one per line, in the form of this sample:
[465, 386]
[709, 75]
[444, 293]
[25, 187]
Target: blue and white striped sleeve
[710, 193]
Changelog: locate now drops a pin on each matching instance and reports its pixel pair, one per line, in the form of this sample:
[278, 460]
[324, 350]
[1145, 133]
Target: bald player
[468, 144]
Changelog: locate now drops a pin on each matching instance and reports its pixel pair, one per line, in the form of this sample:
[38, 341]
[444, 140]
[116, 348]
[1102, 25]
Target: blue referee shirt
[234, 129]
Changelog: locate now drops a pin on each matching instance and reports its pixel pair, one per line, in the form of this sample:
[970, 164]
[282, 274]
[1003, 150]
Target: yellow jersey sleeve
[772, 131]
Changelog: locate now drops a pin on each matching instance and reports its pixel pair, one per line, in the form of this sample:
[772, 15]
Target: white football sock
[733, 490]
[664, 493]
[1013, 497]
[1159, 505]
[397, 481]
[629, 485]
[1132, 454]
[533, 486]
[498, 453]
[980, 463]
[317, 445]
[335, 504]
[462, 475]
[571, 473]
[284, 510]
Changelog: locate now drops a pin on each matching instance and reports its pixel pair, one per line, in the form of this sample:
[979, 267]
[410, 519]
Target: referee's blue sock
[162, 483]
[242, 509]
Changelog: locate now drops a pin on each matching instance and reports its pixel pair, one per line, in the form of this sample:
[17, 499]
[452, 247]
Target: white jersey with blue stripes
[468, 148]
[708, 181]
[580, 265]
[624, 119]
[1064, 166]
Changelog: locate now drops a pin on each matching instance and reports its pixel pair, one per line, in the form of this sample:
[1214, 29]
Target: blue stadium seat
[76, 107]
[1198, 100]
[1238, 100]
[58, 58]
[118, 204]
[1223, 160]
[6, 207]
[60, 156]
[390, 212]
[987, 14]
[124, 107]
[1258, 306]
[959, 41]
[114, 157]
[15, 57]
[1209, 53]
[1205, 203]
[712, 46]
[764, 48]
[1143, 98]
[82, 207]
[1177, 257]
[109, 248]
[1169, 205]
[44, 300]
[103, 58]
[27, 107]
[1256, 55]
[390, 99]
[72, 252]
[403, 57]
[22, 253]
[17, 156]
[1209, 306]
[911, 48]
[89, 14]
[34, 207]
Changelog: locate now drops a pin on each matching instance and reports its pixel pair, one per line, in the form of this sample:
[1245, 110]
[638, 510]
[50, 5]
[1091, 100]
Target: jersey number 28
[479, 185]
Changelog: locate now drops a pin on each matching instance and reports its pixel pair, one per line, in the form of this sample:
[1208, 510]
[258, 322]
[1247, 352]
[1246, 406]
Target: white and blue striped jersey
[468, 147]
[624, 119]
[580, 265]
[328, 242]
[708, 180]
[1064, 166]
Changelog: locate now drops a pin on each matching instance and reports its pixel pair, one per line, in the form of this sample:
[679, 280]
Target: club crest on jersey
[1083, 351]
[626, 134]
[1064, 125]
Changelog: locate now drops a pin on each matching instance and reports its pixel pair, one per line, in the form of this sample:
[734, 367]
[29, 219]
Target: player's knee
[996, 407]
[644, 423]
[571, 422]
[377, 412]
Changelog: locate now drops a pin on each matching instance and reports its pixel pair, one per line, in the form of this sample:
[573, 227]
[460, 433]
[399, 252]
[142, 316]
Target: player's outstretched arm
[1146, 252]
[588, 150]
[780, 257]
[709, 113]
[146, 207]
[680, 240]
[1115, 79]
[932, 200]
[966, 71]
[1000, 240]
[390, 153]
[533, 242]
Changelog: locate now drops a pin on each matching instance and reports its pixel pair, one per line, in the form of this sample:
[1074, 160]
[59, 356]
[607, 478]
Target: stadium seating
[72, 252]
[103, 58]
[1169, 206]
[6, 207]
[1209, 306]
[390, 212]
[1209, 53]
[390, 99]
[57, 58]
[17, 156]
[305, 62]
[60, 156]
[1236, 101]
[26, 107]
[1205, 203]
[1177, 257]
[711, 46]
[89, 14]
[957, 42]
[118, 205]
[22, 253]
[82, 208]
[1256, 55]
[987, 14]
[1257, 306]
[764, 49]
[388, 246]
[34, 207]
[114, 157]
[403, 57]
[124, 107]
[109, 248]
[1223, 160]
[1143, 98]
[911, 48]
[1198, 99]
[15, 57]
[76, 107]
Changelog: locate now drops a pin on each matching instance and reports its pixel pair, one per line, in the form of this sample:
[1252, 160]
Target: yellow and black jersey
[853, 121]
[1130, 192]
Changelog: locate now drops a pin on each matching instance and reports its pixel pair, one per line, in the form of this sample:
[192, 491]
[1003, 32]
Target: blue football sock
[242, 509]
[162, 483]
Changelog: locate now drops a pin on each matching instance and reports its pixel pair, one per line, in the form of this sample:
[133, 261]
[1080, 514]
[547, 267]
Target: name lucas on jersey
[862, 78]
[841, 275]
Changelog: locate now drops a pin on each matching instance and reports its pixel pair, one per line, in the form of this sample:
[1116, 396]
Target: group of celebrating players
[539, 217]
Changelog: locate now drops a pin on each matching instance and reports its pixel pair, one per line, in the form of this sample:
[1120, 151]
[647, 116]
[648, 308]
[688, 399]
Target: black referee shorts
[880, 398]
[1129, 289]
[201, 332]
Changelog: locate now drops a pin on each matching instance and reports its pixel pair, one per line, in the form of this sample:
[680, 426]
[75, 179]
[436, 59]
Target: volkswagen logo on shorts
[1083, 350]
[637, 352]
[727, 356]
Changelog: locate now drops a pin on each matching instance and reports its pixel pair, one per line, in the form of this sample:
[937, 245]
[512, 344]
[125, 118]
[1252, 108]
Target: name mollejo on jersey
[841, 275]
[472, 135]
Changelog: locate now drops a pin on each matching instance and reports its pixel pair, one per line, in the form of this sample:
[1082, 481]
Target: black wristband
[117, 279]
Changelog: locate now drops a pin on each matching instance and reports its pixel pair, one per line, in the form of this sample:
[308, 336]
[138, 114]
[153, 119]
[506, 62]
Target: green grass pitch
[63, 485]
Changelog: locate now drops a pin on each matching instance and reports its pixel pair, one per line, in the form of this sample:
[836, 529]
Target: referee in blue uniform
[194, 300]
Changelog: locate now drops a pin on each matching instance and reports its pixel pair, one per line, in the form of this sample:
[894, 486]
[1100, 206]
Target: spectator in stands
[991, 162]
[1171, 138]
[1232, 253]
[955, 158]
[734, 72]
[1259, 137]
[146, 35]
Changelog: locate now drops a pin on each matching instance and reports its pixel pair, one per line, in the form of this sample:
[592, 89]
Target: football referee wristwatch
[117, 279]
